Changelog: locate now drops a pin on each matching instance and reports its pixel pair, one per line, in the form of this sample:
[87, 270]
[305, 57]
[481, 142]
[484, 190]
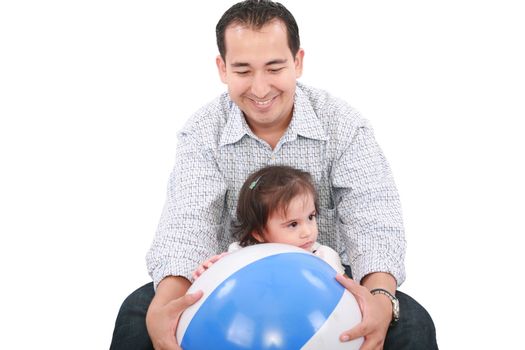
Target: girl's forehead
[298, 204]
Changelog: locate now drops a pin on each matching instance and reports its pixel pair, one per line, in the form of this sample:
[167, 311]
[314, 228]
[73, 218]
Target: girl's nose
[305, 232]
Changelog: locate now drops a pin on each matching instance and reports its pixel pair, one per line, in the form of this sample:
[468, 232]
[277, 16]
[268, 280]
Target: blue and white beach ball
[269, 296]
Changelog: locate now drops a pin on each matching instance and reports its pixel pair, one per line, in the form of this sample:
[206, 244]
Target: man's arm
[187, 234]
[191, 219]
[369, 208]
[370, 218]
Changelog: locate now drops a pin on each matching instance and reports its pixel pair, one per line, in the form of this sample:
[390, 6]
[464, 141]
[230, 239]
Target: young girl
[278, 204]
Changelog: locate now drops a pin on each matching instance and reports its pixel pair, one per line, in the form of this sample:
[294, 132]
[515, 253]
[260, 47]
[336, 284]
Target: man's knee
[130, 326]
[415, 328]
[141, 297]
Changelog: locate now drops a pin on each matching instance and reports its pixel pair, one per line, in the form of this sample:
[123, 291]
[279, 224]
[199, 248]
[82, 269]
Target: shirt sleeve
[190, 222]
[369, 209]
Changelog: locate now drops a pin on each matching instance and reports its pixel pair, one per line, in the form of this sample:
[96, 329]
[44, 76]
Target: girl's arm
[206, 265]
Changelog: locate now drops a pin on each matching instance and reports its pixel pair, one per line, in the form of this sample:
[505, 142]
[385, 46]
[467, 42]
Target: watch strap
[393, 299]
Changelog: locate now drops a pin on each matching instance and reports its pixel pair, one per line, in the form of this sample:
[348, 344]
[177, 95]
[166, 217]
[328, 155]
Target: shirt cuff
[368, 263]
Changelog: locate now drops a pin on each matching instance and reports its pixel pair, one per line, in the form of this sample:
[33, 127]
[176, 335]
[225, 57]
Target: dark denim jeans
[414, 330]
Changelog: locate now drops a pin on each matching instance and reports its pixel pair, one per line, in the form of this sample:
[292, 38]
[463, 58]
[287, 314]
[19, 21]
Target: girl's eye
[311, 217]
[293, 224]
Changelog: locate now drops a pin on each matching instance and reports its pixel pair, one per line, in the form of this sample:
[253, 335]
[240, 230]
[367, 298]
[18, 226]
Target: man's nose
[260, 86]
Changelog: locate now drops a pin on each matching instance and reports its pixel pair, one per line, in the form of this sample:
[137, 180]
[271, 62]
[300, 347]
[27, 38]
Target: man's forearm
[170, 288]
[380, 280]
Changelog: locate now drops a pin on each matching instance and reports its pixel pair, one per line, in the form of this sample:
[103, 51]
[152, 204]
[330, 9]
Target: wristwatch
[393, 299]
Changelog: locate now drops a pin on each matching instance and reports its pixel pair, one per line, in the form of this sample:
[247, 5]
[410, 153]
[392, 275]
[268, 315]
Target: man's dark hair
[255, 14]
[265, 192]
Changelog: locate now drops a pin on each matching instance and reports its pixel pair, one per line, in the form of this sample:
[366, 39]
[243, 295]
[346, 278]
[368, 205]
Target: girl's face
[297, 226]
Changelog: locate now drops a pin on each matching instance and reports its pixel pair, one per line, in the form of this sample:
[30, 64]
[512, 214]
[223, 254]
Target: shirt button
[273, 157]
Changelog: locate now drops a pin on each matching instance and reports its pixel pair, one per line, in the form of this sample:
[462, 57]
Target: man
[267, 117]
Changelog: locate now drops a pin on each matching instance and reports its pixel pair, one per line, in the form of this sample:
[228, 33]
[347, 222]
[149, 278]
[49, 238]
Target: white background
[92, 94]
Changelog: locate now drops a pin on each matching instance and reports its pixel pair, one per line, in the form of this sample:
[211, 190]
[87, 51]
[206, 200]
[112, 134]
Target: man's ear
[298, 62]
[221, 66]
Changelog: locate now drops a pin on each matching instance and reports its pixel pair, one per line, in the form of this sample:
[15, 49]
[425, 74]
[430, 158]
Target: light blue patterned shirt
[360, 214]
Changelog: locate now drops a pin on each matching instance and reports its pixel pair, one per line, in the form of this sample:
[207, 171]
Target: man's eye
[276, 70]
[242, 72]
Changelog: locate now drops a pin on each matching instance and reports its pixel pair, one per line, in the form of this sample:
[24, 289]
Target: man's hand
[206, 265]
[164, 311]
[377, 315]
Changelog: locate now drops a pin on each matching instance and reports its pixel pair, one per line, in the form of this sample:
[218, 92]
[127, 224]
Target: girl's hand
[206, 265]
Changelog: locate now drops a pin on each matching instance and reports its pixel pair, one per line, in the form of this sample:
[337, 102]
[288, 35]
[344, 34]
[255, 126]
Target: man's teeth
[263, 102]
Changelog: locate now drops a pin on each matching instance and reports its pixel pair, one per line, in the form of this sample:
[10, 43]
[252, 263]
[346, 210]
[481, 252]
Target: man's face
[261, 72]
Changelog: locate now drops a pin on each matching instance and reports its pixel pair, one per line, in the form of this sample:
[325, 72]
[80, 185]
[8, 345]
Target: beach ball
[269, 296]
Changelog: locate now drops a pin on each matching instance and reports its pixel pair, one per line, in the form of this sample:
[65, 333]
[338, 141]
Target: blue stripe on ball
[277, 302]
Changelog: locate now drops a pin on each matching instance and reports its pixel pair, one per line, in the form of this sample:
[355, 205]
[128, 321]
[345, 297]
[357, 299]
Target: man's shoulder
[207, 123]
[325, 104]
[336, 114]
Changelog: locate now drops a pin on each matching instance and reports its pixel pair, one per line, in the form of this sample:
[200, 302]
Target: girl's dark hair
[255, 14]
[264, 192]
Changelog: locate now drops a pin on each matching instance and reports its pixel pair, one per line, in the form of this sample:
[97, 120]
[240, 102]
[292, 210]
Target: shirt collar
[236, 126]
[304, 122]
